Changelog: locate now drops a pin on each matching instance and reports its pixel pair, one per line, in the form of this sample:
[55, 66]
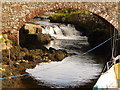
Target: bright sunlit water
[72, 71]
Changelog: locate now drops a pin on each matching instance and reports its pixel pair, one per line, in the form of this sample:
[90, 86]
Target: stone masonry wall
[16, 14]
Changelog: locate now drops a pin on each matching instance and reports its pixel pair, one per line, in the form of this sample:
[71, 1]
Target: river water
[72, 72]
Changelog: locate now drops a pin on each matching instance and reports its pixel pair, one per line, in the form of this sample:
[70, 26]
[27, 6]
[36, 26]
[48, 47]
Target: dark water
[73, 72]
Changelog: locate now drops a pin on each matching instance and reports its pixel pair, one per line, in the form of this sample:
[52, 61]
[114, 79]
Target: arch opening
[85, 28]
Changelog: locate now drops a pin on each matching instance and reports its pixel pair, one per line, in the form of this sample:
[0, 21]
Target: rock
[31, 26]
[37, 58]
[60, 55]
[40, 52]
[52, 56]
[17, 63]
[49, 60]
[6, 61]
[28, 57]
[43, 38]
[25, 50]
[52, 50]
[3, 70]
[23, 58]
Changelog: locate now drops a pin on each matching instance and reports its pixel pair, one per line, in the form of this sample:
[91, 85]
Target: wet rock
[40, 52]
[52, 50]
[23, 58]
[52, 56]
[43, 38]
[28, 57]
[25, 50]
[60, 55]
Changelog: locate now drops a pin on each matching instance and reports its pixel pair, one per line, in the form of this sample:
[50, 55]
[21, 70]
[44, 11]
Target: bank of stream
[54, 64]
[73, 72]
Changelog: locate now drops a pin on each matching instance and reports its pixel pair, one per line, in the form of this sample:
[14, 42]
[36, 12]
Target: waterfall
[62, 31]
[58, 31]
[51, 31]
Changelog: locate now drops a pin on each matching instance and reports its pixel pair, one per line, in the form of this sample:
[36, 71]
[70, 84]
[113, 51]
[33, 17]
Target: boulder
[35, 27]
[60, 55]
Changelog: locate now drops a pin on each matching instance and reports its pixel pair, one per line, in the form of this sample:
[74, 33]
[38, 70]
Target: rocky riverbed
[31, 52]
[22, 58]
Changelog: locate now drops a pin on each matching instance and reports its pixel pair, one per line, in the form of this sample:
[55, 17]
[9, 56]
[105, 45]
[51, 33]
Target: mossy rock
[87, 13]
[31, 31]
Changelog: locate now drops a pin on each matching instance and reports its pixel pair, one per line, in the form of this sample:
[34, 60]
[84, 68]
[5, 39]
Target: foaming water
[42, 23]
[60, 31]
[71, 46]
[63, 32]
[72, 71]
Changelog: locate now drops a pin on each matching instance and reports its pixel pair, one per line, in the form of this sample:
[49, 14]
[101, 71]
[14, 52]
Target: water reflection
[72, 71]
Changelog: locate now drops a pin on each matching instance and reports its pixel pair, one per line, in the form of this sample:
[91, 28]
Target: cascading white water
[69, 30]
[63, 32]
[51, 31]
[58, 31]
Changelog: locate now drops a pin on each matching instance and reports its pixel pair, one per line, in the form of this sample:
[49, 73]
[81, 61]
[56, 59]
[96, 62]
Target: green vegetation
[68, 11]
[4, 39]
[5, 36]
[8, 41]
[31, 31]
[66, 15]
[94, 27]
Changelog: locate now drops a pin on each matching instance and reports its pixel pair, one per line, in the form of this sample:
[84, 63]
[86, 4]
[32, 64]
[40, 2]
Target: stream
[72, 72]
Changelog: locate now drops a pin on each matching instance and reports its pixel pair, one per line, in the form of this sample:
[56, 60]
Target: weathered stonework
[16, 14]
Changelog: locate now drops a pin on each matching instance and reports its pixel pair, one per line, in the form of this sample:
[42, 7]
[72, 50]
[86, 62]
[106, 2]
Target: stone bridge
[16, 14]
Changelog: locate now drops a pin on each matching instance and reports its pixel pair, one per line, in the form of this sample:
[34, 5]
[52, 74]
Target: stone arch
[74, 5]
